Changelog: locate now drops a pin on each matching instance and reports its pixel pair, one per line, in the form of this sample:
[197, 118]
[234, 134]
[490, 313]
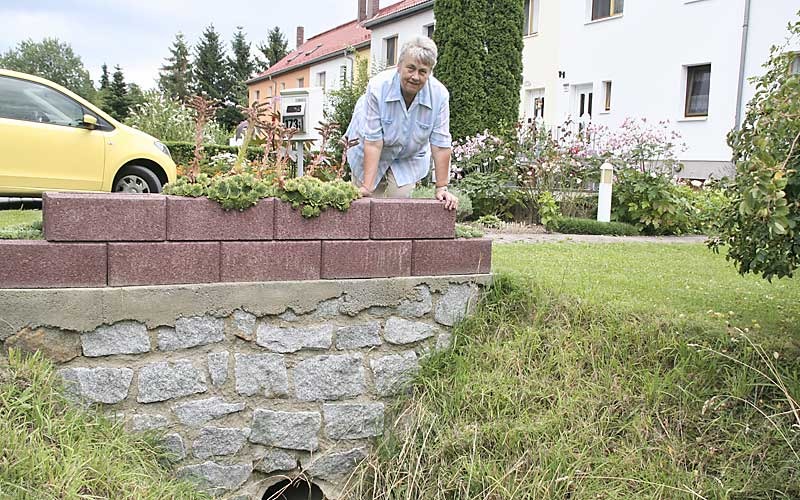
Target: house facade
[686, 61]
[394, 25]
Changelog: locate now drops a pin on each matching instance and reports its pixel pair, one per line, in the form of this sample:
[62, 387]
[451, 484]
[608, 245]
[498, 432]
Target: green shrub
[169, 120]
[705, 208]
[547, 207]
[464, 210]
[183, 154]
[30, 231]
[468, 231]
[491, 194]
[572, 225]
[491, 221]
[651, 202]
[312, 195]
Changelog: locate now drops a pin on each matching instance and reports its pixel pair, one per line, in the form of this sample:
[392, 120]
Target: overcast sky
[137, 34]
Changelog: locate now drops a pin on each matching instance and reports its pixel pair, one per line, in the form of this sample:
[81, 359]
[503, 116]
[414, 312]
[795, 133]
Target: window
[698, 85]
[301, 83]
[607, 95]
[258, 94]
[269, 91]
[531, 26]
[795, 66]
[321, 79]
[429, 31]
[606, 8]
[283, 85]
[343, 74]
[391, 50]
[29, 101]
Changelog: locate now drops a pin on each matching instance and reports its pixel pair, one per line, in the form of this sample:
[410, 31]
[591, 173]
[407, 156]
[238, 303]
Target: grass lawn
[16, 217]
[598, 372]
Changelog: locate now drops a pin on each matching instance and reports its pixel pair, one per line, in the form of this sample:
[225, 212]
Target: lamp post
[604, 194]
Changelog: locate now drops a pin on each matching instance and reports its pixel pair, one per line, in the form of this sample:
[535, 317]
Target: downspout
[349, 57]
[742, 60]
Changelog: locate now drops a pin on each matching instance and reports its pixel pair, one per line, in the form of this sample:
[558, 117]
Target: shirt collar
[395, 94]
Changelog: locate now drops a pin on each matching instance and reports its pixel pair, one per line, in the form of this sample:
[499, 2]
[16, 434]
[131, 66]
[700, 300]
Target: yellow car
[54, 140]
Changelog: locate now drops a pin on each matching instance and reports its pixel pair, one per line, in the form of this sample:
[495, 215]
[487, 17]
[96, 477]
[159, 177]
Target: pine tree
[503, 64]
[104, 82]
[240, 69]
[460, 35]
[274, 50]
[210, 69]
[117, 103]
[175, 77]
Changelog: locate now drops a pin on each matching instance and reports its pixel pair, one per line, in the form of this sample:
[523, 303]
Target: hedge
[572, 225]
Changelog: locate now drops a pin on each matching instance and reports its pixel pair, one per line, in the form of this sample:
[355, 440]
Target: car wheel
[136, 179]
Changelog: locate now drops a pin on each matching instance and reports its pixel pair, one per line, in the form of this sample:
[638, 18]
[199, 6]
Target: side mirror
[89, 121]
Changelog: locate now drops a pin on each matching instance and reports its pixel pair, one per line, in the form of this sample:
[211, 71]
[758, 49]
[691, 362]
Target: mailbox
[303, 109]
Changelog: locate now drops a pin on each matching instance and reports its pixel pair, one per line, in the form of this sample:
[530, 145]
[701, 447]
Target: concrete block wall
[133, 240]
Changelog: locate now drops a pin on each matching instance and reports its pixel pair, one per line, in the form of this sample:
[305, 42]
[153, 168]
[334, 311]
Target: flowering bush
[169, 120]
[483, 152]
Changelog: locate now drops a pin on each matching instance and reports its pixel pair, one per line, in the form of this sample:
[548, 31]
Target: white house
[686, 61]
[394, 25]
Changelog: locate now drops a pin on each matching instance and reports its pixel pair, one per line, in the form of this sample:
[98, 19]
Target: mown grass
[566, 384]
[52, 450]
[20, 224]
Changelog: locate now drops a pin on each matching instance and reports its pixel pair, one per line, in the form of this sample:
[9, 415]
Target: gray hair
[420, 48]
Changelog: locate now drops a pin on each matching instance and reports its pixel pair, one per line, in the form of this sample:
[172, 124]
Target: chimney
[362, 10]
[373, 8]
[300, 36]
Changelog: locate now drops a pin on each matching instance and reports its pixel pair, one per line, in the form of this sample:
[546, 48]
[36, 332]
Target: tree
[240, 69]
[460, 35]
[503, 64]
[53, 60]
[274, 50]
[761, 225]
[104, 81]
[175, 77]
[135, 97]
[210, 69]
[117, 103]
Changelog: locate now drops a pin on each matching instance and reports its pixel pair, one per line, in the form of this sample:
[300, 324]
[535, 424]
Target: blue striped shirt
[406, 133]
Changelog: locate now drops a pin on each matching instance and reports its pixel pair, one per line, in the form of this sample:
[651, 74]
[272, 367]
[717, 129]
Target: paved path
[589, 238]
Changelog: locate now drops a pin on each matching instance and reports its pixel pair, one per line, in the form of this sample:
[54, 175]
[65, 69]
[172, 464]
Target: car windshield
[24, 100]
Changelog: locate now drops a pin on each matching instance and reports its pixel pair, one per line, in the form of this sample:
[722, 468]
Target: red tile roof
[352, 34]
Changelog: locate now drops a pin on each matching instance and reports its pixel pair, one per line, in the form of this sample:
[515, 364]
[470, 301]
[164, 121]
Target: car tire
[136, 179]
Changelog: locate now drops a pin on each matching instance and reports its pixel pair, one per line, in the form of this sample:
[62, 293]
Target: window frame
[612, 9]
[301, 82]
[607, 88]
[531, 17]
[322, 79]
[429, 30]
[386, 43]
[690, 82]
[794, 63]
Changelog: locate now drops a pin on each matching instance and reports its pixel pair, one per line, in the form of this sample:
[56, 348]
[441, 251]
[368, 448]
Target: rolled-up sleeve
[440, 135]
[373, 130]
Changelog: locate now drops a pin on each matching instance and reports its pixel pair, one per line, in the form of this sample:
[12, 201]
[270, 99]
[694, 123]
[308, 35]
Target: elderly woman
[401, 120]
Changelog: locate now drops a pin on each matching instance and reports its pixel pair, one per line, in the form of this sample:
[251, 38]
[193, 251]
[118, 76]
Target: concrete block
[365, 259]
[393, 219]
[41, 264]
[462, 256]
[104, 217]
[203, 219]
[331, 224]
[166, 263]
[270, 261]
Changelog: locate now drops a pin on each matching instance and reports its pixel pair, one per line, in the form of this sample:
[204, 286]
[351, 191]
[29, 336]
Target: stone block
[286, 340]
[401, 331]
[131, 264]
[125, 337]
[197, 219]
[104, 217]
[365, 259]
[216, 479]
[261, 374]
[191, 332]
[270, 261]
[41, 264]
[353, 420]
[98, 385]
[196, 413]
[335, 465]
[326, 378]
[295, 430]
[146, 422]
[218, 367]
[243, 324]
[163, 381]
[331, 224]
[392, 373]
[176, 450]
[358, 336]
[216, 441]
[455, 303]
[275, 460]
[58, 346]
[393, 219]
[420, 306]
[442, 257]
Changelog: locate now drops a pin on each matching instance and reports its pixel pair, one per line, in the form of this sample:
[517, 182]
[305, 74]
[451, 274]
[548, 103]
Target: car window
[24, 100]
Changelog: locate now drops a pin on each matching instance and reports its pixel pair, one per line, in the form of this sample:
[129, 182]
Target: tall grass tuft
[547, 396]
[49, 449]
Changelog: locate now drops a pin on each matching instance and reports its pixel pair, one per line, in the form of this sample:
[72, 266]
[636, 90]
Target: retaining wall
[251, 381]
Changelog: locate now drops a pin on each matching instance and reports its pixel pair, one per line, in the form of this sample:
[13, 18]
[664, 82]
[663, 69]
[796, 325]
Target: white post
[299, 158]
[604, 196]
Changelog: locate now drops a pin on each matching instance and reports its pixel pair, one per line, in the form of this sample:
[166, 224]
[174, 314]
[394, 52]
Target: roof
[399, 9]
[351, 34]
[328, 43]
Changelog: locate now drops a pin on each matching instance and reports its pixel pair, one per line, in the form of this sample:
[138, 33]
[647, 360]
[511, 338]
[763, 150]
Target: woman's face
[413, 76]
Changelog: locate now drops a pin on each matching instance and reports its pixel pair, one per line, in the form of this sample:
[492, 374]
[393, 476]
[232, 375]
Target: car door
[43, 144]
